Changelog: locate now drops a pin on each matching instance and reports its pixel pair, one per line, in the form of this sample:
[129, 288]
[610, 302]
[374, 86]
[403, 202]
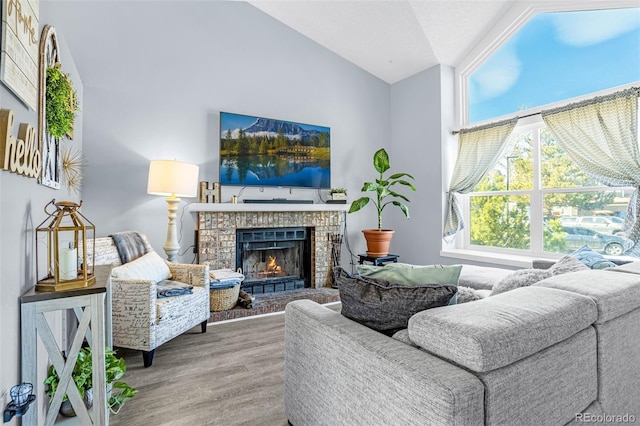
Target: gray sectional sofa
[564, 350]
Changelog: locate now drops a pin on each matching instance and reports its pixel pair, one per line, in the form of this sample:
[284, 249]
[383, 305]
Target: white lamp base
[171, 246]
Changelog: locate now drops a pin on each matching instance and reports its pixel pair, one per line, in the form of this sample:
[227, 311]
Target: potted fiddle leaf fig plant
[378, 240]
[82, 376]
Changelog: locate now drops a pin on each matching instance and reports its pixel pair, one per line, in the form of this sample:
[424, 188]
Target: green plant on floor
[83, 378]
[61, 103]
[383, 188]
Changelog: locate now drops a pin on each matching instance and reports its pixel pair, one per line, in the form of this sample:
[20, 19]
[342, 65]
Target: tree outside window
[536, 180]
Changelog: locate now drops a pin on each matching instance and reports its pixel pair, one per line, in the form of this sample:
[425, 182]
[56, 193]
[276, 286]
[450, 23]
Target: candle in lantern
[68, 263]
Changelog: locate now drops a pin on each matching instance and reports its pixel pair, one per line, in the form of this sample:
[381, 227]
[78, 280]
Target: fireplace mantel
[266, 207]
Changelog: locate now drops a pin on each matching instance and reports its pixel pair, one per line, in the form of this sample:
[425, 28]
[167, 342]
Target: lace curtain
[601, 136]
[478, 151]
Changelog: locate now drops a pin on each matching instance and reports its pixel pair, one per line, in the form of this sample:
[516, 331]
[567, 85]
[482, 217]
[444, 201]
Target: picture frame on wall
[19, 49]
[266, 152]
[49, 145]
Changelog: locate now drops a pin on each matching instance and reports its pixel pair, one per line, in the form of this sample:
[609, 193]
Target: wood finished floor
[231, 375]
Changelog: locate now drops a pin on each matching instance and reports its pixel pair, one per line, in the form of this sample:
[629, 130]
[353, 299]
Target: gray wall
[21, 210]
[157, 74]
[416, 149]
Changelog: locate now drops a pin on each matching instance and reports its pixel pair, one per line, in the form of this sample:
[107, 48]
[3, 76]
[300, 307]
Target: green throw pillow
[403, 273]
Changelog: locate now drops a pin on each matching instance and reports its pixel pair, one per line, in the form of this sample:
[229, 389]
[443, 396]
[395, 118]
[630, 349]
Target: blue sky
[557, 56]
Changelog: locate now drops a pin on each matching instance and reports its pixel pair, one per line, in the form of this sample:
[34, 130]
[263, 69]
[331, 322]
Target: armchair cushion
[185, 309]
[148, 267]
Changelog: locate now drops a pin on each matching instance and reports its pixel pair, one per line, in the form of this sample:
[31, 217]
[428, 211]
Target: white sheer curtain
[601, 136]
[478, 151]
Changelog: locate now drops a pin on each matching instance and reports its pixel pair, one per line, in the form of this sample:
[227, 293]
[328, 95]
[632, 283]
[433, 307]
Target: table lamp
[172, 179]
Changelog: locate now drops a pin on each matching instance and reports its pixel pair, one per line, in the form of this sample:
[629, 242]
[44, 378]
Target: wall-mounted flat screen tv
[265, 152]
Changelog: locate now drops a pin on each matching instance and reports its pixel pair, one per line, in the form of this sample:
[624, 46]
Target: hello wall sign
[18, 155]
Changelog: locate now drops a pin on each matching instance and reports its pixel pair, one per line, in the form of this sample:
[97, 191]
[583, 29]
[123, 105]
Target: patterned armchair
[141, 320]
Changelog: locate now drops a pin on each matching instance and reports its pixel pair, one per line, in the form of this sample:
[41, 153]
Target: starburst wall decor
[72, 163]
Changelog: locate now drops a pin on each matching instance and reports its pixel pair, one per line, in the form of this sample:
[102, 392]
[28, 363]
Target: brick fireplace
[218, 224]
[274, 259]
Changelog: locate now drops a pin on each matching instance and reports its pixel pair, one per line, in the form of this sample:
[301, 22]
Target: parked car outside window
[605, 224]
[578, 236]
[568, 220]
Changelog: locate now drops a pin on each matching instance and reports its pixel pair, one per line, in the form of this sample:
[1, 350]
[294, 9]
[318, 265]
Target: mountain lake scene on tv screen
[258, 151]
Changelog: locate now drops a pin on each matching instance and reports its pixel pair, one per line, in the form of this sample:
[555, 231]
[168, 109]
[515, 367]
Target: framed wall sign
[19, 49]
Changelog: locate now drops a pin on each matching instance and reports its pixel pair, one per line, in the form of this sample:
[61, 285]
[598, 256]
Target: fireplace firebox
[274, 259]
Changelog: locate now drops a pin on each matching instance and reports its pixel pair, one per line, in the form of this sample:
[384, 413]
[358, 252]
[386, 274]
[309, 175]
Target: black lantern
[64, 231]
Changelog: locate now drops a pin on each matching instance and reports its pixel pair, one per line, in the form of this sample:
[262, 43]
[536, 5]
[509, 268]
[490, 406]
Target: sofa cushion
[499, 330]
[631, 267]
[148, 267]
[481, 277]
[404, 273]
[614, 293]
[385, 306]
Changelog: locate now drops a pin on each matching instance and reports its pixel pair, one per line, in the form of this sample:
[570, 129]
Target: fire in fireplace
[274, 259]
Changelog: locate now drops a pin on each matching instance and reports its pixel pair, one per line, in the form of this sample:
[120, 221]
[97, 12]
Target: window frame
[501, 31]
[536, 196]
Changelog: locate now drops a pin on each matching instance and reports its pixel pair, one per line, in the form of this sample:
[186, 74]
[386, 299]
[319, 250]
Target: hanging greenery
[61, 103]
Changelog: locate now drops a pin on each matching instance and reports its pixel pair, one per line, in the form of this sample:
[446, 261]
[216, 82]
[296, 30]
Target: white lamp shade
[171, 177]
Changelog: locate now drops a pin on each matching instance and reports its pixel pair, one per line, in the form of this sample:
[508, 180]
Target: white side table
[89, 305]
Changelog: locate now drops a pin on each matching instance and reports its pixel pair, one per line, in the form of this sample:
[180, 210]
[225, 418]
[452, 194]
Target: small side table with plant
[82, 376]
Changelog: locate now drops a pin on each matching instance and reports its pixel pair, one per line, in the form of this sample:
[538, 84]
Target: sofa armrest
[133, 313]
[340, 372]
[196, 275]
[614, 291]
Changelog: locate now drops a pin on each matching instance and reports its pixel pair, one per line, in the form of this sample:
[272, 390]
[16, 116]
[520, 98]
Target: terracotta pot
[378, 241]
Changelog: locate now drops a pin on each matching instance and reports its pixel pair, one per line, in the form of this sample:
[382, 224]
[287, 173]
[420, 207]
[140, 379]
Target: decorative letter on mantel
[19, 57]
[19, 155]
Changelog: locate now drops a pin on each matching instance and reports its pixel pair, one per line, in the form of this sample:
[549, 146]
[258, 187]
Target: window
[537, 201]
[556, 56]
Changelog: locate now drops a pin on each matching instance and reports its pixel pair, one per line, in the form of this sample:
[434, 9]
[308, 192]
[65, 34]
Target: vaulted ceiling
[392, 39]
